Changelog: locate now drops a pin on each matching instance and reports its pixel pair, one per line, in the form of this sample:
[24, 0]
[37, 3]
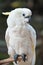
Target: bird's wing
[32, 34]
[7, 37]
[11, 51]
[34, 38]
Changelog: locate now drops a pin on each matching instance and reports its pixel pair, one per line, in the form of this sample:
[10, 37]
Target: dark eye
[23, 14]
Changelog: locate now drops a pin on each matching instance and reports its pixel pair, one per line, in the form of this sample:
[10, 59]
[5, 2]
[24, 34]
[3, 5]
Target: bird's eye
[23, 14]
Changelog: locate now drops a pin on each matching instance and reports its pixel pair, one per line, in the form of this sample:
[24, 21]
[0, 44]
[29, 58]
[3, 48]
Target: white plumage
[21, 36]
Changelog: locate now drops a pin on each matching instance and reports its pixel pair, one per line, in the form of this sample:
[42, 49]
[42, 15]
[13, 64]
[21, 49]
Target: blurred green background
[36, 21]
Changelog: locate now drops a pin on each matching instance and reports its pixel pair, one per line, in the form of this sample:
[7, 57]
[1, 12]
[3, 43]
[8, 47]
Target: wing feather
[7, 37]
[32, 34]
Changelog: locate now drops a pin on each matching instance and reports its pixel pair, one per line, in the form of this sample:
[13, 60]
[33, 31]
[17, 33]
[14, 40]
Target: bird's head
[19, 16]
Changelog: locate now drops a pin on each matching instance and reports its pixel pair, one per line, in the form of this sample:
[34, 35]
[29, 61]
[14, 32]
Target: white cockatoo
[20, 36]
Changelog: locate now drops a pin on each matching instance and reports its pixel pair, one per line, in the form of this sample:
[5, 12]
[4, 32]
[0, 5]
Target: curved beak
[5, 13]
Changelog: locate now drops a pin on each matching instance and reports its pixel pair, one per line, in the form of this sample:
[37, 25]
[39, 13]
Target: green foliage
[1, 0]
[18, 4]
[3, 55]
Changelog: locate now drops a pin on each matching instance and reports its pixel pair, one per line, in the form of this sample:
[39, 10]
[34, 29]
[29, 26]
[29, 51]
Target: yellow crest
[5, 13]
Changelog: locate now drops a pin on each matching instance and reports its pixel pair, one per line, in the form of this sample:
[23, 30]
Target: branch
[9, 60]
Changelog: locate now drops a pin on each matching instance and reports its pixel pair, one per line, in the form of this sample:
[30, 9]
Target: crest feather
[5, 13]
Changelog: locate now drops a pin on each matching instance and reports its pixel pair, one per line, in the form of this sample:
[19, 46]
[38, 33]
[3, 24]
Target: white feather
[22, 36]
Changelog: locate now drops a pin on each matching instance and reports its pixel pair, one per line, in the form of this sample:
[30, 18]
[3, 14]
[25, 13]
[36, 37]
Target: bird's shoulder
[30, 28]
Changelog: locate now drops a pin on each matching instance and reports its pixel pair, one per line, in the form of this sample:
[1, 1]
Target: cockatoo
[20, 36]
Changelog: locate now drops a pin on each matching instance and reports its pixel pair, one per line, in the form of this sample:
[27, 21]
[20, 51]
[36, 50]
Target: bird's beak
[5, 13]
[28, 17]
